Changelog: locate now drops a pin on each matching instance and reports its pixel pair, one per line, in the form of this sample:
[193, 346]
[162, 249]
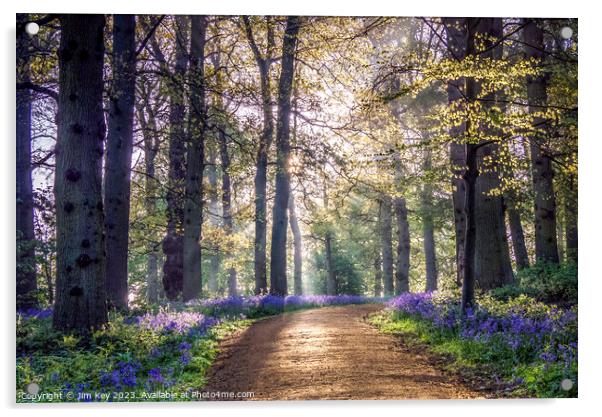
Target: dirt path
[326, 353]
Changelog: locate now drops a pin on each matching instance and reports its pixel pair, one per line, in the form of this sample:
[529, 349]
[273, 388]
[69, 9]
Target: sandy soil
[327, 353]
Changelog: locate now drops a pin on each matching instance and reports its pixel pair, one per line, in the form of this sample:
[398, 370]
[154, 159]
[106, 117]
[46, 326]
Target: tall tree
[517, 233]
[492, 263]
[402, 261]
[470, 176]
[509, 197]
[148, 111]
[546, 246]
[278, 281]
[26, 270]
[227, 202]
[428, 229]
[297, 246]
[147, 119]
[571, 215]
[331, 278]
[173, 268]
[223, 137]
[214, 213]
[195, 158]
[378, 277]
[456, 31]
[264, 62]
[80, 282]
[486, 255]
[119, 159]
[386, 243]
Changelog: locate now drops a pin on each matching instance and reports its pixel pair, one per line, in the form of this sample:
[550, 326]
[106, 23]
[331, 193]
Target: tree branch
[28, 85]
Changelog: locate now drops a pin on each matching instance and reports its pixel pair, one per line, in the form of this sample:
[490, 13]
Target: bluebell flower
[154, 375]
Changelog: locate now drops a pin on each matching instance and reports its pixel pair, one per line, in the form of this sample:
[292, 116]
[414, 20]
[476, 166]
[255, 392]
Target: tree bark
[331, 279]
[492, 264]
[469, 251]
[493, 267]
[173, 241]
[457, 44]
[571, 216]
[26, 265]
[402, 266]
[80, 285]
[227, 205]
[119, 159]
[278, 281]
[151, 148]
[222, 126]
[386, 243]
[470, 176]
[264, 62]
[561, 239]
[509, 199]
[378, 277]
[546, 246]
[214, 217]
[297, 246]
[517, 234]
[428, 236]
[193, 203]
[486, 255]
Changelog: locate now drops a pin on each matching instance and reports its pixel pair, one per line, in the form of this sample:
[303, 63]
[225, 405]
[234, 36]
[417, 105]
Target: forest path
[327, 353]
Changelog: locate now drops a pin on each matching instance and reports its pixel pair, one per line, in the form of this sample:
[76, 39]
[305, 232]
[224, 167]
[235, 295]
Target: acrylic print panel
[295, 207]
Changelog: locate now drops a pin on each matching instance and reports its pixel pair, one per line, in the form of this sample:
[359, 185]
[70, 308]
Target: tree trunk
[561, 239]
[222, 126]
[193, 204]
[278, 282]
[546, 247]
[470, 176]
[518, 237]
[80, 285]
[493, 267]
[214, 217]
[297, 245]
[47, 272]
[428, 235]
[456, 43]
[151, 147]
[152, 292]
[331, 279]
[260, 259]
[26, 265]
[428, 228]
[173, 241]
[227, 205]
[430, 254]
[402, 266]
[119, 159]
[378, 277]
[386, 244]
[570, 212]
[509, 199]
[492, 264]
[264, 62]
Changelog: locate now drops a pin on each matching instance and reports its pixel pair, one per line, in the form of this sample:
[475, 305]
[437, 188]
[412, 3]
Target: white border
[589, 202]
